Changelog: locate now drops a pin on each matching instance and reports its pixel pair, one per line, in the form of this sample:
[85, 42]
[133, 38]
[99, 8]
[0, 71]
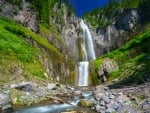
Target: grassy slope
[19, 57]
[133, 59]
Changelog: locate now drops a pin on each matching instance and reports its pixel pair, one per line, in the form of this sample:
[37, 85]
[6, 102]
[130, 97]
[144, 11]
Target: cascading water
[88, 54]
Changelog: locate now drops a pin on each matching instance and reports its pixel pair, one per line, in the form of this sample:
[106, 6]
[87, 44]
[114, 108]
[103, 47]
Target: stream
[56, 108]
[60, 108]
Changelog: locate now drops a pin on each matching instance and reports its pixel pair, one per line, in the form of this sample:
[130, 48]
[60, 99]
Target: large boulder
[24, 86]
[4, 102]
[107, 66]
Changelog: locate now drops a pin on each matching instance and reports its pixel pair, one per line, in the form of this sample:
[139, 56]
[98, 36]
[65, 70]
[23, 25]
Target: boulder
[4, 102]
[107, 66]
[77, 92]
[24, 86]
[85, 103]
[51, 86]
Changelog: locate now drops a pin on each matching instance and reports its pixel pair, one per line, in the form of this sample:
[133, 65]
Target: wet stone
[106, 99]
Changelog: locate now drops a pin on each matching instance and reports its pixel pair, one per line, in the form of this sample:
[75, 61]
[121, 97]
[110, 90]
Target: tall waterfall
[87, 49]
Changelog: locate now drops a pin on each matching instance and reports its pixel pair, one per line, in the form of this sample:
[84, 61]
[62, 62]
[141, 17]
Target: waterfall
[88, 42]
[88, 54]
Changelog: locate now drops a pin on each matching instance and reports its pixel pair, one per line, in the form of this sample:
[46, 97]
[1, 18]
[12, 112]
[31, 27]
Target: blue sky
[83, 6]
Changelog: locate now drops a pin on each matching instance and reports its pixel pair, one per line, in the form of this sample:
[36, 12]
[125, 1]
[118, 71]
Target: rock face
[27, 17]
[106, 67]
[71, 35]
[127, 20]
[116, 34]
[23, 14]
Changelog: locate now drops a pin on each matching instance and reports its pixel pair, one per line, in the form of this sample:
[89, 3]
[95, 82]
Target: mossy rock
[85, 103]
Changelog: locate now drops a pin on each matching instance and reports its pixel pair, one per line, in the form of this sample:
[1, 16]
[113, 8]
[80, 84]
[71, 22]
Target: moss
[93, 78]
[70, 79]
[44, 30]
[85, 103]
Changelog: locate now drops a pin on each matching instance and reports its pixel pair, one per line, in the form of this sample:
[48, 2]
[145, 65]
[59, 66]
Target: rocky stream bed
[102, 99]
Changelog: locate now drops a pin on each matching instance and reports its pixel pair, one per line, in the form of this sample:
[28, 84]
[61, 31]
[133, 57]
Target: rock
[78, 92]
[52, 86]
[106, 99]
[4, 102]
[145, 104]
[106, 67]
[110, 110]
[99, 108]
[70, 112]
[85, 103]
[102, 102]
[14, 100]
[127, 20]
[98, 96]
[4, 99]
[27, 17]
[24, 86]
[111, 96]
[27, 88]
[122, 98]
[41, 91]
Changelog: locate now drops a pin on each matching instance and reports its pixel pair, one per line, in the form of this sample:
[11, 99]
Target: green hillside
[18, 56]
[133, 59]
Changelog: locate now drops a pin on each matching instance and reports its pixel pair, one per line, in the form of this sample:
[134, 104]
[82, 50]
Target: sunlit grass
[9, 26]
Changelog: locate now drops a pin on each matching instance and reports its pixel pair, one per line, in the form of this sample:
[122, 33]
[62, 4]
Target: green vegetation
[18, 57]
[48, 9]
[15, 2]
[18, 30]
[104, 16]
[133, 59]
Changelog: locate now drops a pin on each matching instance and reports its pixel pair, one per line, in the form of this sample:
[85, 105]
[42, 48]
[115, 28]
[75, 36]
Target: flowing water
[88, 54]
[59, 108]
[83, 73]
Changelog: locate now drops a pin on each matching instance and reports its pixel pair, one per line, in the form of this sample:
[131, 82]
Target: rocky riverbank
[132, 99]
[102, 99]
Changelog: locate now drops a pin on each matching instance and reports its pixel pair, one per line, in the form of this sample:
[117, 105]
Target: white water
[83, 73]
[47, 109]
[89, 54]
[88, 42]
